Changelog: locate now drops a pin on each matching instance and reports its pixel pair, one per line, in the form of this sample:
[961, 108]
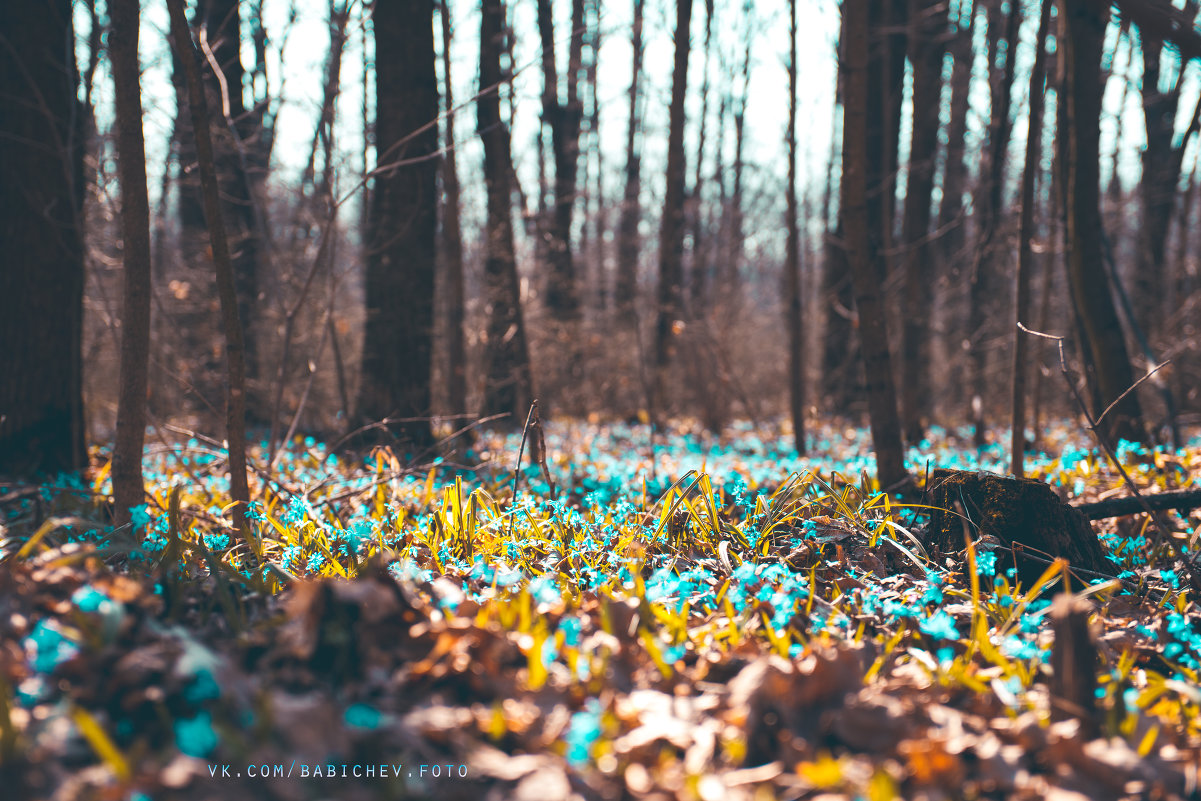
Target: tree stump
[1023, 514]
[1073, 665]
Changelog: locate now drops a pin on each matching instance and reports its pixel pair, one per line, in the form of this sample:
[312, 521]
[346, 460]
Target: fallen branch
[1179, 500]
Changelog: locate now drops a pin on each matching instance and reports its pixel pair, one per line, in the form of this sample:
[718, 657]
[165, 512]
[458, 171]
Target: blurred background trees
[493, 201]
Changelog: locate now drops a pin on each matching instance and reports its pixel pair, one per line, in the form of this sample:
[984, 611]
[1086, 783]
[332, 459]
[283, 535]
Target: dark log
[1020, 512]
[1181, 500]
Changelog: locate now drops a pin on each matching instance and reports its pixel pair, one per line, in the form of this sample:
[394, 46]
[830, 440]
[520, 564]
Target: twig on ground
[525, 430]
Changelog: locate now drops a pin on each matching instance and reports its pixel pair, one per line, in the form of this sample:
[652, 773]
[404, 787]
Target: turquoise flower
[584, 731]
[196, 737]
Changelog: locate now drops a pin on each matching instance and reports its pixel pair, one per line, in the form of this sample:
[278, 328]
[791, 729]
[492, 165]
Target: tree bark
[562, 297]
[671, 231]
[840, 361]
[862, 254]
[1107, 362]
[128, 485]
[508, 387]
[792, 265]
[398, 340]
[729, 281]
[886, 73]
[596, 193]
[41, 224]
[1021, 306]
[222, 21]
[1161, 173]
[951, 217]
[926, 54]
[235, 397]
[626, 287]
[983, 307]
[698, 285]
[452, 239]
[239, 139]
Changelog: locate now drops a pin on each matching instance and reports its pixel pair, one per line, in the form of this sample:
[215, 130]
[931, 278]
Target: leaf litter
[691, 618]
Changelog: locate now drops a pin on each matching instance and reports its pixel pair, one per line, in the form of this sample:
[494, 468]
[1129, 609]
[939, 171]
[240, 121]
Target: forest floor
[721, 620]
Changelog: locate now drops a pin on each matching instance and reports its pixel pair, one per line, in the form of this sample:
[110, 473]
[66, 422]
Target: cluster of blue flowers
[1185, 643]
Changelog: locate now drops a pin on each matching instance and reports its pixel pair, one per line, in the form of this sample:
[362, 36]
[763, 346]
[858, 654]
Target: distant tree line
[935, 243]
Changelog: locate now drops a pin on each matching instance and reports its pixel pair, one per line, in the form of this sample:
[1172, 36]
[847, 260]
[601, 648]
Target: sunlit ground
[692, 616]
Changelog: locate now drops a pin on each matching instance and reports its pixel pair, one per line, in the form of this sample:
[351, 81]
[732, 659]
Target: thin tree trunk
[926, 55]
[320, 204]
[1017, 447]
[671, 231]
[452, 240]
[861, 255]
[600, 214]
[735, 244]
[222, 21]
[564, 119]
[508, 387]
[700, 265]
[717, 220]
[95, 32]
[792, 266]
[631, 212]
[1053, 210]
[985, 263]
[952, 220]
[235, 398]
[839, 360]
[128, 486]
[323, 136]
[1113, 191]
[364, 155]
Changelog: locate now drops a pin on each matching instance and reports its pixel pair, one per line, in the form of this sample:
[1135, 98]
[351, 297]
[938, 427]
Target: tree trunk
[452, 239]
[718, 218]
[792, 266]
[564, 119]
[626, 287]
[730, 284]
[951, 219]
[222, 21]
[886, 72]
[1161, 174]
[840, 362]
[862, 254]
[41, 283]
[698, 302]
[235, 397]
[1107, 363]
[316, 199]
[1021, 306]
[508, 388]
[926, 52]
[397, 342]
[600, 213]
[237, 141]
[128, 486]
[985, 282]
[671, 231]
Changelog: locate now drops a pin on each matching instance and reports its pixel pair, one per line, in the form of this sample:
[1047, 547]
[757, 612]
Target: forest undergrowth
[654, 616]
